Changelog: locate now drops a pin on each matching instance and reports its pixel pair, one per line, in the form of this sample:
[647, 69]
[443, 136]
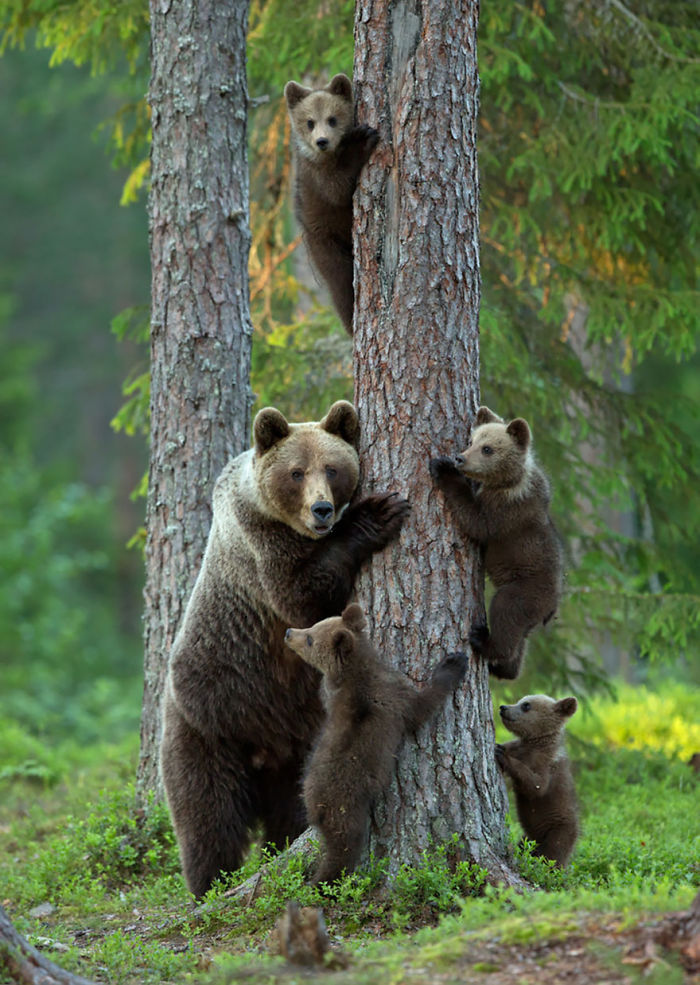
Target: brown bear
[329, 152]
[370, 707]
[241, 710]
[500, 499]
[538, 765]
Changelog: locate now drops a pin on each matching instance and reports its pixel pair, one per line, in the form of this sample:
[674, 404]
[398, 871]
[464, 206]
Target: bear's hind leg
[279, 804]
[503, 643]
[209, 801]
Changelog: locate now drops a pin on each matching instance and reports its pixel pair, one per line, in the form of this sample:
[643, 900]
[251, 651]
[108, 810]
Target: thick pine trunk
[200, 322]
[416, 348]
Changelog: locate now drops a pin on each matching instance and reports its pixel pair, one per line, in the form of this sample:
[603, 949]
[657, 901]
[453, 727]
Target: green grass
[73, 835]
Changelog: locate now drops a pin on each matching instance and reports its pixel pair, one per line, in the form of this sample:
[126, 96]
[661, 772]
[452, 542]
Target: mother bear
[241, 709]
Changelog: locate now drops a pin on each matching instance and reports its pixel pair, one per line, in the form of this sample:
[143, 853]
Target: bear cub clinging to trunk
[500, 499]
[538, 765]
[329, 152]
[370, 707]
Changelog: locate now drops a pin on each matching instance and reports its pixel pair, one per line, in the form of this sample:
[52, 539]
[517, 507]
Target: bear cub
[329, 152]
[500, 499]
[370, 706]
[538, 766]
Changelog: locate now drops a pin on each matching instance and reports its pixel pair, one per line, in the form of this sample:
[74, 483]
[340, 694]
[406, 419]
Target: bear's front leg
[356, 147]
[373, 523]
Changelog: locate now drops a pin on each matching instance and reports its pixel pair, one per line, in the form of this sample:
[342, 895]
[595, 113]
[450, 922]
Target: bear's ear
[519, 432]
[566, 707]
[294, 93]
[340, 85]
[486, 416]
[343, 644]
[342, 420]
[269, 427]
[354, 617]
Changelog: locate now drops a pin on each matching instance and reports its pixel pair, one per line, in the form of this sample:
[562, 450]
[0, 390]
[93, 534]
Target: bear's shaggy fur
[539, 768]
[329, 152]
[500, 499]
[370, 708]
[241, 710]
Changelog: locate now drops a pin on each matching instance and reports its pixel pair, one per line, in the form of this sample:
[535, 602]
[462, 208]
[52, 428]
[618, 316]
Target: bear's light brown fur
[329, 152]
[241, 711]
[370, 707]
[500, 499]
[539, 769]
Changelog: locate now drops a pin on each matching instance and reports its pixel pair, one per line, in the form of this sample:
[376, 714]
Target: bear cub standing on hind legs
[329, 152]
[370, 707]
[500, 499]
[538, 765]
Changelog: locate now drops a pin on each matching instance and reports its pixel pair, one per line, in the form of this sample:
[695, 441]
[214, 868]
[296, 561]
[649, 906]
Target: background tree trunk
[416, 389]
[200, 322]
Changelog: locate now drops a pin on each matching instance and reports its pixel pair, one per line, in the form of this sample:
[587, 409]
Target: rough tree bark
[27, 966]
[200, 321]
[416, 348]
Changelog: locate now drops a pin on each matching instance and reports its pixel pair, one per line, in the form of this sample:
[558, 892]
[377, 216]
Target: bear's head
[330, 644]
[320, 117]
[305, 474]
[537, 715]
[499, 454]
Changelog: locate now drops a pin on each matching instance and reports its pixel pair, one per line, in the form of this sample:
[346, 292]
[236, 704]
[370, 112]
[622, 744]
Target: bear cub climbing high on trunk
[329, 152]
[370, 706]
[500, 499]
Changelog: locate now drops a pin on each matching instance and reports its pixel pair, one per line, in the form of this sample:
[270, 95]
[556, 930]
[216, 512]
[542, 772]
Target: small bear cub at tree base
[370, 707]
[500, 499]
[329, 152]
[538, 765]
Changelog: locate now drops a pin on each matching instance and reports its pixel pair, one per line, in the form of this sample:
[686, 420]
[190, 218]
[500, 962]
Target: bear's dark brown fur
[539, 768]
[500, 499]
[370, 708]
[329, 152]
[241, 710]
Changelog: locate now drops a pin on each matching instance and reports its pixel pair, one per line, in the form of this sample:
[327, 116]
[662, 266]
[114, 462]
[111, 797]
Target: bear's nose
[459, 460]
[287, 634]
[322, 510]
[322, 143]
[502, 708]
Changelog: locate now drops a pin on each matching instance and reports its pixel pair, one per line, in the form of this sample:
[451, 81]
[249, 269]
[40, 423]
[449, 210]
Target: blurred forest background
[588, 158]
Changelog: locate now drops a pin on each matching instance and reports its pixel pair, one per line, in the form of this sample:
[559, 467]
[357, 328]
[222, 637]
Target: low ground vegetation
[93, 880]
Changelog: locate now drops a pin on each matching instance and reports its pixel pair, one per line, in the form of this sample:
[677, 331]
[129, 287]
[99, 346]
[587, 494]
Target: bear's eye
[297, 475]
[525, 706]
[309, 641]
[310, 124]
[331, 472]
[487, 450]
[332, 121]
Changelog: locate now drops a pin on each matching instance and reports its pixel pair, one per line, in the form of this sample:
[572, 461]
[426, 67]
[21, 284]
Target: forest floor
[93, 881]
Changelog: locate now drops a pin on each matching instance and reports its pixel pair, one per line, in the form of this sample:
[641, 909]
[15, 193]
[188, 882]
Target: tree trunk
[416, 347]
[200, 323]
[27, 966]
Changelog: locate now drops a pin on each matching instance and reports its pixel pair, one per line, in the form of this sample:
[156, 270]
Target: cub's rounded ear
[566, 707]
[519, 432]
[343, 644]
[486, 416]
[354, 617]
[269, 427]
[340, 85]
[342, 420]
[294, 93]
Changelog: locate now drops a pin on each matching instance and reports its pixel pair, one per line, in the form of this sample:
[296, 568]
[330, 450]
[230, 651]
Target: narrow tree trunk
[416, 389]
[200, 324]
[27, 966]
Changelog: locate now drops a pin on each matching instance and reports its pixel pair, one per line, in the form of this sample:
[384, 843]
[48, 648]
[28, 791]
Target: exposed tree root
[25, 965]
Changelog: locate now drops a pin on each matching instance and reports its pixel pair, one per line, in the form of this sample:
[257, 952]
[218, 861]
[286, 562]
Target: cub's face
[499, 454]
[330, 644]
[307, 473]
[320, 117]
[537, 715]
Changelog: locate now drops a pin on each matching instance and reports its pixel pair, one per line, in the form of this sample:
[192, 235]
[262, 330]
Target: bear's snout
[322, 510]
[322, 143]
[459, 461]
[288, 634]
